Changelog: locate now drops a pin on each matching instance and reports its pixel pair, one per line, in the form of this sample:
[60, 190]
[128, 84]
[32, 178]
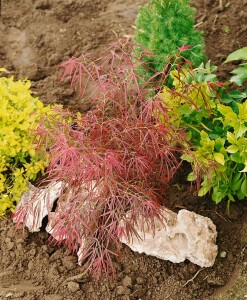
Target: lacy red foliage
[115, 160]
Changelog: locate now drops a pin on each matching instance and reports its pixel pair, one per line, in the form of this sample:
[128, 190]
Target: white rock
[185, 235]
[36, 204]
[62, 207]
[181, 236]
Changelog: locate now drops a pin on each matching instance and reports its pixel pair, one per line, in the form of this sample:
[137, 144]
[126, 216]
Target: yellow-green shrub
[20, 114]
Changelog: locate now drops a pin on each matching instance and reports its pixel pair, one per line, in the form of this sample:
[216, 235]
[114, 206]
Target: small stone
[44, 248]
[223, 254]
[73, 286]
[54, 59]
[61, 269]
[103, 288]
[32, 252]
[53, 297]
[7, 240]
[154, 280]
[54, 270]
[120, 290]
[194, 286]
[129, 14]
[214, 280]
[55, 256]
[30, 265]
[127, 281]
[10, 245]
[9, 295]
[20, 241]
[69, 3]
[139, 291]
[139, 280]
[42, 4]
[90, 289]
[192, 269]
[10, 233]
[127, 270]
[30, 71]
[169, 270]
[19, 248]
[112, 285]
[69, 262]
[19, 295]
[157, 274]
[230, 257]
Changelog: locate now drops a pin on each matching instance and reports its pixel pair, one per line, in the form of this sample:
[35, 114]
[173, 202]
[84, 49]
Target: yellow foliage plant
[20, 114]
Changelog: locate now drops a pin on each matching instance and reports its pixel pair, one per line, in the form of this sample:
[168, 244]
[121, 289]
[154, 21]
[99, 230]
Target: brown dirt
[34, 37]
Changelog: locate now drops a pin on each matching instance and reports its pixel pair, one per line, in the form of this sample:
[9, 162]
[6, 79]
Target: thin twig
[221, 216]
[221, 7]
[168, 297]
[198, 24]
[215, 19]
[115, 33]
[77, 277]
[218, 215]
[191, 279]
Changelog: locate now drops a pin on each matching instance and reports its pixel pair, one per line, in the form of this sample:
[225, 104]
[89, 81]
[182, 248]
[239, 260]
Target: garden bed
[37, 35]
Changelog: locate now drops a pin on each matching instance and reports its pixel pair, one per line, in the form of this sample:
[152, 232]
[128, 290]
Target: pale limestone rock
[63, 207]
[37, 203]
[181, 236]
[185, 235]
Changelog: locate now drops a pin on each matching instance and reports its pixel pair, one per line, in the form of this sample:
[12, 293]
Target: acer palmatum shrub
[115, 160]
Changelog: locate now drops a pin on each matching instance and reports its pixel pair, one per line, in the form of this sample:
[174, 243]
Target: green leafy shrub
[164, 26]
[240, 73]
[20, 113]
[216, 123]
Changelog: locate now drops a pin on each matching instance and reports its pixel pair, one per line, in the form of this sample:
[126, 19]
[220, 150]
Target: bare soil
[35, 36]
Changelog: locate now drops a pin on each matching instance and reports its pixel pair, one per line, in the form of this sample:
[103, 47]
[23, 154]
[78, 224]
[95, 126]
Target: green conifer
[162, 26]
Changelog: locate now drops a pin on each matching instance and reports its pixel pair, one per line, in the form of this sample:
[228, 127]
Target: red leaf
[184, 48]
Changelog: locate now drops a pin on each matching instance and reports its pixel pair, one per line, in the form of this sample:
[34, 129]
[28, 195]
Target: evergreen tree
[162, 26]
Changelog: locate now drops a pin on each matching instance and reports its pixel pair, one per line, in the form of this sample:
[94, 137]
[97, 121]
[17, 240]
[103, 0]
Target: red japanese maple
[115, 160]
